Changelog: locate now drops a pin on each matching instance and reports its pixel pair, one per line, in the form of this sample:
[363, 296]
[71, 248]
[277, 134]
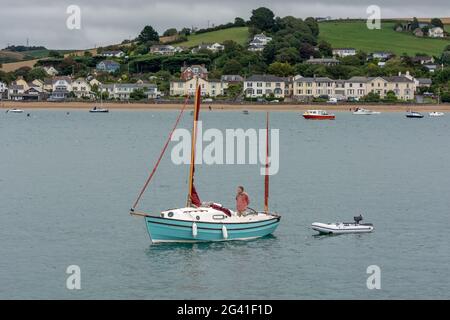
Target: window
[259, 85]
[249, 84]
[259, 91]
[268, 85]
[278, 85]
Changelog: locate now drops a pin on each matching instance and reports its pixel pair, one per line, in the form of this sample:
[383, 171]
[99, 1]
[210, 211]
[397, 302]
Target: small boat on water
[98, 110]
[14, 110]
[366, 112]
[245, 112]
[436, 114]
[343, 227]
[199, 221]
[414, 114]
[318, 115]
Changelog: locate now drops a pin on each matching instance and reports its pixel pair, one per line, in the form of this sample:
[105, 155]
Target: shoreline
[4, 105]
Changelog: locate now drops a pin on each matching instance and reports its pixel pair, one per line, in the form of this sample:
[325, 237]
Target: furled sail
[193, 198]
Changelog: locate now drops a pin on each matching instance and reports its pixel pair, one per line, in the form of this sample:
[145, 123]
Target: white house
[262, 38]
[258, 86]
[81, 88]
[344, 52]
[61, 88]
[165, 49]
[122, 91]
[113, 54]
[259, 42]
[213, 47]
[208, 87]
[436, 32]
[51, 71]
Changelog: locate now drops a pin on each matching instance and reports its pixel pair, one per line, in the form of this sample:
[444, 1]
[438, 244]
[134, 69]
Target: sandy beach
[225, 106]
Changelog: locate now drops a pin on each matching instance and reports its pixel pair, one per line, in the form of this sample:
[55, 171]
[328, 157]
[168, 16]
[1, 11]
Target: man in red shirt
[242, 200]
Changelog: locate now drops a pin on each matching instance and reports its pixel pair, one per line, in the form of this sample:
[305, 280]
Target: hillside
[355, 34]
[238, 34]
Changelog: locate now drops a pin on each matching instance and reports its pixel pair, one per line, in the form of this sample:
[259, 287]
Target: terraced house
[209, 87]
[403, 85]
[123, 91]
[259, 86]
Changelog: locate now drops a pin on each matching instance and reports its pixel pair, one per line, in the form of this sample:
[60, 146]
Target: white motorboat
[343, 227]
[361, 111]
[14, 110]
[436, 114]
[414, 115]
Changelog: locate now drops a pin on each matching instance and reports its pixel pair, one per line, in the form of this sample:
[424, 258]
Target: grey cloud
[107, 22]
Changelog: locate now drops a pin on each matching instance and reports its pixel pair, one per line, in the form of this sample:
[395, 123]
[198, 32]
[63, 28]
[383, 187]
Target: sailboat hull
[170, 230]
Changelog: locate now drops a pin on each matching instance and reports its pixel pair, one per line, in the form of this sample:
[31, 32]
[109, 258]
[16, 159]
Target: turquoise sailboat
[199, 221]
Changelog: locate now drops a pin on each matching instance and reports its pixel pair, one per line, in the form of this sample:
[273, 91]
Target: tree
[262, 19]
[234, 90]
[390, 96]
[313, 25]
[325, 49]
[232, 66]
[436, 22]
[137, 94]
[170, 32]
[289, 55]
[415, 24]
[239, 22]
[37, 73]
[185, 31]
[148, 34]
[281, 69]
[371, 97]
[306, 51]
[55, 54]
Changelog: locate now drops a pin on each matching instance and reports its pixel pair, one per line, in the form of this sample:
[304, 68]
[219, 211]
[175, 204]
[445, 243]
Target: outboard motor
[358, 219]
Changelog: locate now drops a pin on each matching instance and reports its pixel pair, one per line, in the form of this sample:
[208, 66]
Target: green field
[38, 54]
[238, 34]
[355, 34]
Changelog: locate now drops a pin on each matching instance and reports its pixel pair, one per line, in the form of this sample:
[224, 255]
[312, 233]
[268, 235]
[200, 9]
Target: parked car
[332, 100]
[208, 100]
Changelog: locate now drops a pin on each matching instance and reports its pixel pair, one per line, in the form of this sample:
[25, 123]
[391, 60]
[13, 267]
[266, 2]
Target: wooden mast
[266, 177]
[193, 145]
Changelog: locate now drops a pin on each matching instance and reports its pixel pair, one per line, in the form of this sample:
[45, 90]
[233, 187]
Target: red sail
[195, 199]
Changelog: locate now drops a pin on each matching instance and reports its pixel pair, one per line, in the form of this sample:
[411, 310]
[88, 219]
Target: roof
[265, 78]
[202, 68]
[109, 62]
[322, 60]
[112, 51]
[344, 49]
[397, 79]
[232, 77]
[424, 80]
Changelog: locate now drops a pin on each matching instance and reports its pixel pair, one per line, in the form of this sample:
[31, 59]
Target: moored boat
[343, 227]
[14, 110]
[98, 110]
[361, 111]
[414, 114]
[206, 221]
[318, 115]
[436, 114]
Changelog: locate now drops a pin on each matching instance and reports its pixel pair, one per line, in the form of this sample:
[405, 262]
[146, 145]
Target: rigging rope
[160, 156]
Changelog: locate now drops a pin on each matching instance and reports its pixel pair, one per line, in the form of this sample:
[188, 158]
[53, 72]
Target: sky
[43, 22]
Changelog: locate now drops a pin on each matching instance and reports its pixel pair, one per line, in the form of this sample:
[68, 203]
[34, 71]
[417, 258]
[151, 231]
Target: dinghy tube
[224, 232]
[194, 230]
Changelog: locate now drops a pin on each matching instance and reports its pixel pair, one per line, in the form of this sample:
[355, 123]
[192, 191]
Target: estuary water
[67, 182]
